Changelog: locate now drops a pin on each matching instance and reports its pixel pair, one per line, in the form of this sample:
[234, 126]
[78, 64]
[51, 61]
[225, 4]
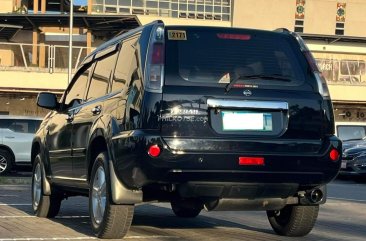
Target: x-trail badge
[247, 92]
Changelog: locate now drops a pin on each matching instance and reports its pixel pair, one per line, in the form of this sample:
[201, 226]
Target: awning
[7, 31]
[333, 38]
[101, 25]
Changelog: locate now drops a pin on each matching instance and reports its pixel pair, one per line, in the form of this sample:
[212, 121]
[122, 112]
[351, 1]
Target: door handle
[96, 110]
[9, 137]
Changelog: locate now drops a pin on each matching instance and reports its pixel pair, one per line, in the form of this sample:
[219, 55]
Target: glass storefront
[344, 69]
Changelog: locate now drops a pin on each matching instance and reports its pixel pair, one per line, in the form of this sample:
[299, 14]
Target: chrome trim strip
[69, 178]
[61, 151]
[250, 104]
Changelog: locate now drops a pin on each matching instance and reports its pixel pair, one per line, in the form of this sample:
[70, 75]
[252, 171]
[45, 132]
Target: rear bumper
[216, 161]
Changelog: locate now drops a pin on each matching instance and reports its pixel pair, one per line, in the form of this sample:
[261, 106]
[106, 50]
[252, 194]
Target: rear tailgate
[259, 113]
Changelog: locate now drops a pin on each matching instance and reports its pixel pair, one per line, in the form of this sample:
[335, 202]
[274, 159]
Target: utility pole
[70, 39]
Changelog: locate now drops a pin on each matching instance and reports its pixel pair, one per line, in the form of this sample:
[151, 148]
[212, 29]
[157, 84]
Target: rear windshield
[347, 133]
[211, 56]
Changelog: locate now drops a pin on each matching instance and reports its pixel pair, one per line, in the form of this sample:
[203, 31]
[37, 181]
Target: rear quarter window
[210, 56]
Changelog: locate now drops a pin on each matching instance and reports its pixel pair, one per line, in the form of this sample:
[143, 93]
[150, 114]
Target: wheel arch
[36, 149]
[97, 144]
[120, 194]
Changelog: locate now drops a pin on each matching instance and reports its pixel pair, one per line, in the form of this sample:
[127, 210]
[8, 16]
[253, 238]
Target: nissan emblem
[247, 92]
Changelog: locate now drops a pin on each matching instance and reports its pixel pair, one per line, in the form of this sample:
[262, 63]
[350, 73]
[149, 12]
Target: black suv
[201, 117]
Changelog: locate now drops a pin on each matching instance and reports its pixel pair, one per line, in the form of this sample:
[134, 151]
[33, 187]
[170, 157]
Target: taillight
[155, 63]
[322, 84]
[157, 54]
[251, 161]
[320, 80]
[154, 151]
[334, 155]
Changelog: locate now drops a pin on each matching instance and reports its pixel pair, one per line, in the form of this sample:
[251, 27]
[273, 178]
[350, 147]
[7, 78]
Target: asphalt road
[343, 217]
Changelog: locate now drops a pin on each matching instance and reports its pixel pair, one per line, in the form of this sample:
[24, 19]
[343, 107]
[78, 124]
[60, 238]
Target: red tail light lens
[154, 151]
[334, 155]
[251, 161]
[155, 63]
[158, 54]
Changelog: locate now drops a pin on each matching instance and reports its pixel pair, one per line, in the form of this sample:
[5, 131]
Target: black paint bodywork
[197, 160]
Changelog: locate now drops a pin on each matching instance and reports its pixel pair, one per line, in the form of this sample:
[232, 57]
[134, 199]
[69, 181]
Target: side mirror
[47, 100]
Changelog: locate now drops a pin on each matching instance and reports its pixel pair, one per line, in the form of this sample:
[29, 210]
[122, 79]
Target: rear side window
[100, 79]
[211, 56]
[4, 123]
[126, 65]
[76, 93]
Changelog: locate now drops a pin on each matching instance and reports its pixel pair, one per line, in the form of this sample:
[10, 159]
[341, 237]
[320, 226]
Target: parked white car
[16, 136]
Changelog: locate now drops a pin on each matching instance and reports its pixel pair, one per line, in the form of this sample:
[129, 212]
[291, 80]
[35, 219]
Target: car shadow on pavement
[163, 217]
[157, 220]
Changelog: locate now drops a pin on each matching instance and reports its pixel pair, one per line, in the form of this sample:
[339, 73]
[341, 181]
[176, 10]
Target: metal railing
[42, 57]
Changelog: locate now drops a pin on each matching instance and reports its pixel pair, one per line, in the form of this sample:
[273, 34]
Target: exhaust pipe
[316, 196]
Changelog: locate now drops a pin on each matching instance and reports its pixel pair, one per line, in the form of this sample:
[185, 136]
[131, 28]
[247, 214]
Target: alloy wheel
[37, 186]
[99, 195]
[3, 163]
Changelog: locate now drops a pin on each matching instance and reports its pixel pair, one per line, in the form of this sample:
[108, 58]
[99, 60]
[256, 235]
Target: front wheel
[293, 220]
[5, 162]
[108, 220]
[43, 205]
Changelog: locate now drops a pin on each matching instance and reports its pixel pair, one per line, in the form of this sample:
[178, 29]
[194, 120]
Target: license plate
[344, 165]
[246, 121]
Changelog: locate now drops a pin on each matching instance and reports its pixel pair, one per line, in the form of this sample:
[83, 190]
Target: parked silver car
[16, 135]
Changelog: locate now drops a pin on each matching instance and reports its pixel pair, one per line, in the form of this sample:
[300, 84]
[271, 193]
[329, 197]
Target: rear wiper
[257, 76]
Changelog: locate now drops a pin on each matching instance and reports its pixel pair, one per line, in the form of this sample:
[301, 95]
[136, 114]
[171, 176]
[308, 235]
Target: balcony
[39, 57]
[36, 67]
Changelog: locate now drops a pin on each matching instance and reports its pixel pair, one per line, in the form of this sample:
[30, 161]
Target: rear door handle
[9, 137]
[96, 110]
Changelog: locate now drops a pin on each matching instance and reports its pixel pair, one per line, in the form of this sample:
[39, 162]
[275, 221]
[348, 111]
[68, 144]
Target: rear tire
[6, 162]
[186, 208]
[293, 221]
[108, 221]
[43, 205]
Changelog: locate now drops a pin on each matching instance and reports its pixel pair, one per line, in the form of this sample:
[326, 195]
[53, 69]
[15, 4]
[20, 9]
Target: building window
[299, 16]
[339, 31]
[299, 29]
[340, 18]
[194, 9]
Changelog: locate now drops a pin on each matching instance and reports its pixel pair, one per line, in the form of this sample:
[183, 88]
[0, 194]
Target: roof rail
[282, 30]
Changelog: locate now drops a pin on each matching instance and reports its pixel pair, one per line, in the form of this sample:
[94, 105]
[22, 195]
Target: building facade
[34, 35]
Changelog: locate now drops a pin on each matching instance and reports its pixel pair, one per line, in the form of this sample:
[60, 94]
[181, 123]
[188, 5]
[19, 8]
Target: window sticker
[177, 35]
